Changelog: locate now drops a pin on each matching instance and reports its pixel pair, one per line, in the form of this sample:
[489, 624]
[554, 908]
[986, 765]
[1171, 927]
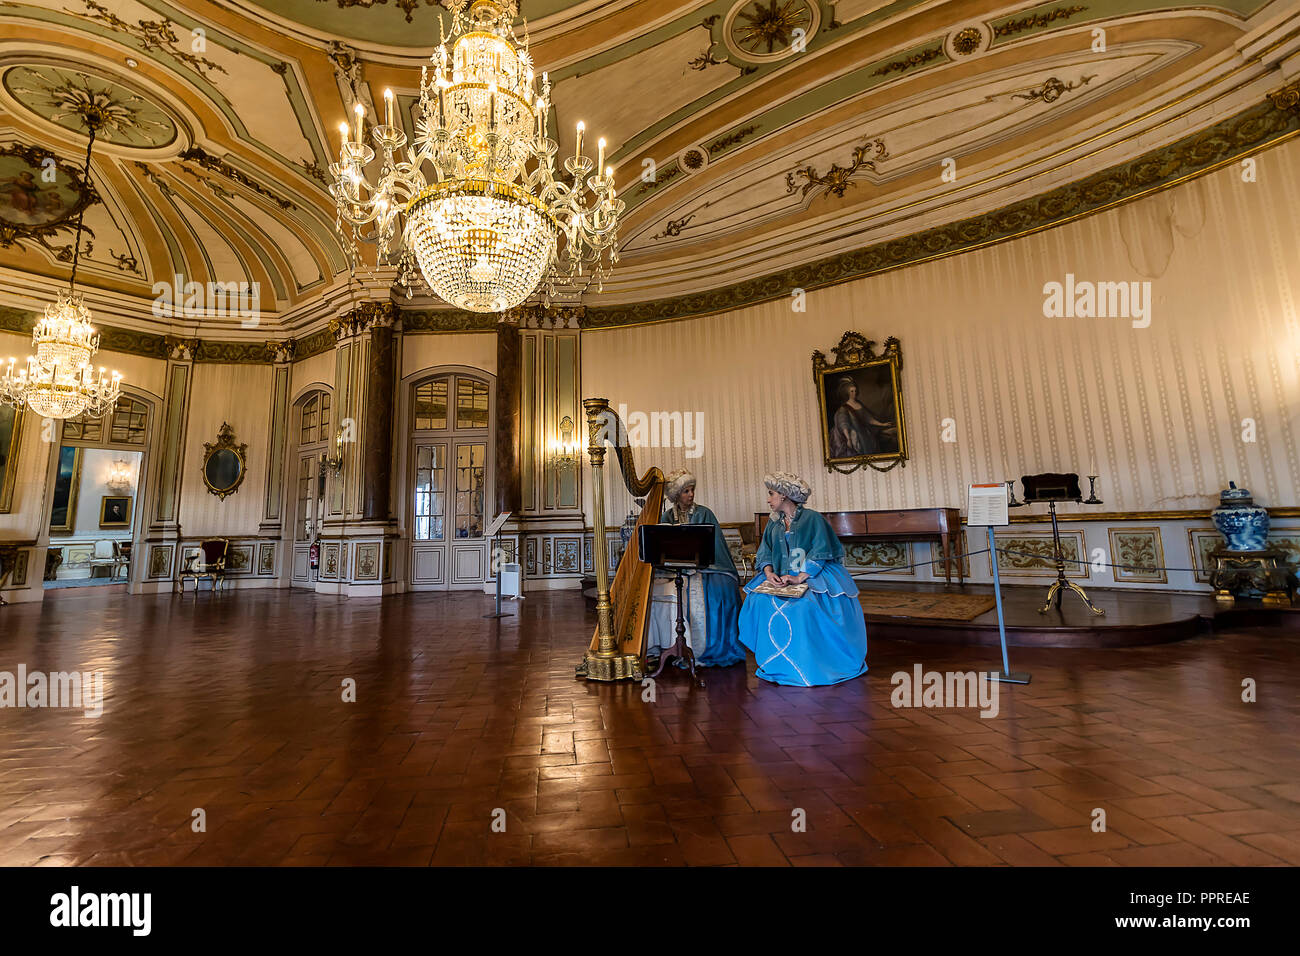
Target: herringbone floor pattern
[233, 705]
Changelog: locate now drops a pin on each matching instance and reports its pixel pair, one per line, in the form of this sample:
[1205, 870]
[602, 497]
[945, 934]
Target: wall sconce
[119, 477]
[564, 453]
[335, 464]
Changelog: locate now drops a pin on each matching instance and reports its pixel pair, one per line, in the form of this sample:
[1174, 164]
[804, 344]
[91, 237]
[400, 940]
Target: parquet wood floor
[233, 704]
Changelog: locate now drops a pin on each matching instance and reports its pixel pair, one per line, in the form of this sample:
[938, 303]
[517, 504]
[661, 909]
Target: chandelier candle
[473, 201]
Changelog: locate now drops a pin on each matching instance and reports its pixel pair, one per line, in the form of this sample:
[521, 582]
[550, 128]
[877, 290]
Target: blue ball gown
[820, 638]
[718, 619]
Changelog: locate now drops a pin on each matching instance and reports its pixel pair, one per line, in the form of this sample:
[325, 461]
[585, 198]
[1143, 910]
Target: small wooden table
[1231, 566]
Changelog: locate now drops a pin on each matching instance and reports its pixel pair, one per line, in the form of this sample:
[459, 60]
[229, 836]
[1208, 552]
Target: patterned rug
[951, 607]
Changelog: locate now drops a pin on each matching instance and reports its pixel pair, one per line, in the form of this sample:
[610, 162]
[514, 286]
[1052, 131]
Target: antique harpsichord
[623, 610]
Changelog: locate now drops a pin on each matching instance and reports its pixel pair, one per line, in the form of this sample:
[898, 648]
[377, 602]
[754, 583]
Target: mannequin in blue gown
[821, 637]
[711, 597]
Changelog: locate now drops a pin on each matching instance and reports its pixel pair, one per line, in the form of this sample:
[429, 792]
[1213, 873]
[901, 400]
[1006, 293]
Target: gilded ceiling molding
[366, 316]
[447, 320]
[406, 6]
[706, 59]
[51, 193]
[152, 35]
[322, 340]
[908, 62]
[1052, 89]
[281, 352]
[1287, 98]
[674, 227]
[1035, 21]
[181, 350]
[838, 178]
[1248, 131]
[731, 139]
[212, 163]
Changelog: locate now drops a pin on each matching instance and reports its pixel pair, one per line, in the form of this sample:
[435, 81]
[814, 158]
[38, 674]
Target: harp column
[606, 663]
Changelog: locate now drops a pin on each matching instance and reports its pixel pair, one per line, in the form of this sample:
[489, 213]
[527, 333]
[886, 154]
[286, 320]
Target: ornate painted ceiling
[751, 137]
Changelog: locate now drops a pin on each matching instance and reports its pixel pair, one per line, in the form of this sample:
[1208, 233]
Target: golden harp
[622, 611]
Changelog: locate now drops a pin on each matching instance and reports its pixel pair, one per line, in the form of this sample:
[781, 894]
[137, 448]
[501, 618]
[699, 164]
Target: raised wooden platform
[1132, 618]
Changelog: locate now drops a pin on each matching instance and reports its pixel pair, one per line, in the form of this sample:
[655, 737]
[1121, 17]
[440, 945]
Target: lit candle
[343, 132]
[600, 161]
[388, 107]
[577, 150]
[361, 112]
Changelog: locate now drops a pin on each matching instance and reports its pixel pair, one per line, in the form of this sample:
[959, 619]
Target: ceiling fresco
[748, 136]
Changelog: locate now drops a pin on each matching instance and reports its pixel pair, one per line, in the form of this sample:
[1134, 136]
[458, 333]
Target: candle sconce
[564, 451]
[335, 464]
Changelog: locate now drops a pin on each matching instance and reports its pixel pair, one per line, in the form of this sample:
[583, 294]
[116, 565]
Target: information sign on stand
[492, 533]
[986, 505]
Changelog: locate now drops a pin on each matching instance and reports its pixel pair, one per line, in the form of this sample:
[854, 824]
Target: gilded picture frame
[67, 487]
[860, 398]
[11, 436]
[115, 511]
[225, 463]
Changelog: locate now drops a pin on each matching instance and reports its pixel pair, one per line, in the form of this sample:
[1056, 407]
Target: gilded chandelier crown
[476, 201]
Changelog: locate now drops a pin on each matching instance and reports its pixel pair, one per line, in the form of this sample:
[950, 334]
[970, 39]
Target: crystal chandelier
[59, 381]
[490, 223]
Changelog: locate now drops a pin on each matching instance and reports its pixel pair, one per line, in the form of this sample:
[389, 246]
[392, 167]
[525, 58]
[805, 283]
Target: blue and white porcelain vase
[1242, 523]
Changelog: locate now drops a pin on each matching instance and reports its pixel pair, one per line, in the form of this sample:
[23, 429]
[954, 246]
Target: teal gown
[820, 638]
[720, 586]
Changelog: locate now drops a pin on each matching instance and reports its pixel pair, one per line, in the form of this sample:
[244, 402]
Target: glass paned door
[430, 492]
[306, 491]
[471, 476]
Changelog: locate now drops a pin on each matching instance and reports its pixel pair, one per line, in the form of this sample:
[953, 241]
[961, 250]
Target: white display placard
[986, 505]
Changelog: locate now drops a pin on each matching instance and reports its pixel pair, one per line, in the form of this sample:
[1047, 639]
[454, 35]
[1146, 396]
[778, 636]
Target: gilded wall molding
[1246, 132]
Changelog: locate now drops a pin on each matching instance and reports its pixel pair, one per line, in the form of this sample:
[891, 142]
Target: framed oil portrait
[115, 511]
[67, 483]
[860, 396]
[11, 433]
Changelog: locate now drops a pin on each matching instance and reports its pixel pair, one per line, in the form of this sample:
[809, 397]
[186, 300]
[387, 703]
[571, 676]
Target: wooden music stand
[676, 547]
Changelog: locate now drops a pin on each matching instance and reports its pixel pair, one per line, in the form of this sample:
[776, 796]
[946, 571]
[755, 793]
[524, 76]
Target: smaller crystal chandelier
[59, 381]
[119, 477]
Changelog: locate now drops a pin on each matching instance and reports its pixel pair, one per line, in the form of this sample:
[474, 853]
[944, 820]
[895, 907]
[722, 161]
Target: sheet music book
[782, 590]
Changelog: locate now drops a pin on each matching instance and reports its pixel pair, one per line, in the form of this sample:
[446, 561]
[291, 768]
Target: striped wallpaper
[1159, 410]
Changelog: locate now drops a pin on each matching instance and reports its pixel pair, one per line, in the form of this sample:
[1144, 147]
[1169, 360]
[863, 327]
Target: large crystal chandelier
[59, 380]
[490, 222]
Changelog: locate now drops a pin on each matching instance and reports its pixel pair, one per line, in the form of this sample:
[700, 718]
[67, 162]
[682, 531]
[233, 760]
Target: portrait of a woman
[854, 430]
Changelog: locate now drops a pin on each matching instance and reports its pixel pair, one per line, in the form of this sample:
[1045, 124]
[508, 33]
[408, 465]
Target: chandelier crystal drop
[59, 380]
[475, 204]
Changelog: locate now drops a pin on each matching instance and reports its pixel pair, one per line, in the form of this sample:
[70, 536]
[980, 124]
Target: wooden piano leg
[947, 560]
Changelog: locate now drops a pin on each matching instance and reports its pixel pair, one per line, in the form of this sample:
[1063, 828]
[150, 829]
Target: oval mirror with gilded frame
[224, 463]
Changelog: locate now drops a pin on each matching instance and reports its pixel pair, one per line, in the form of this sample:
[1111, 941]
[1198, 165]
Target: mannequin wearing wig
[710, 598]
[821, 637]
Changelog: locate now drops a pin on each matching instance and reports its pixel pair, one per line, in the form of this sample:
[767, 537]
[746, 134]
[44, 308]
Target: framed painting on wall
[860, 396]
[67, 482]
[11, 431]
[115, 511]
